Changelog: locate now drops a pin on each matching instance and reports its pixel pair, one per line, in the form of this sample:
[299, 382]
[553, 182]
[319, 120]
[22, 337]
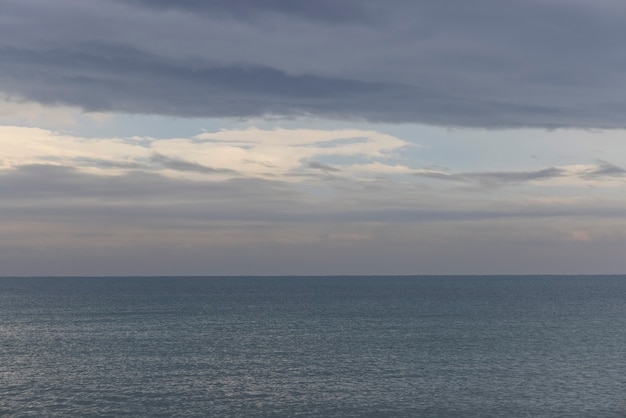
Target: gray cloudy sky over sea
[312, 137]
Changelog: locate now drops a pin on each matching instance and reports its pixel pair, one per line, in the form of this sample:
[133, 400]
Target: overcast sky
[227, 137]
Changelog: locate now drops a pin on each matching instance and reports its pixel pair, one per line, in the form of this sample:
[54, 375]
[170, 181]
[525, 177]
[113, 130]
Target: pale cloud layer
[286, 155]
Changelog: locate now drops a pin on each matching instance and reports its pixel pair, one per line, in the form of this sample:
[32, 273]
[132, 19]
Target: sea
[437, 346]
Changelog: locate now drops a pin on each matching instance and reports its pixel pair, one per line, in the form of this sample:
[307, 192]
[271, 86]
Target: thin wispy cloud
[604, 169]
[323, 167]
[494, 179]
[182, 165]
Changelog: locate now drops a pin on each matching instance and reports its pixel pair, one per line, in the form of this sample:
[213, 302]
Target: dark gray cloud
[105, 164]
[119, 79]
[101, 77]
[182, 165]
[497, 178]
[482, 63]
[324, 10]
[320, 166]
[156, 162]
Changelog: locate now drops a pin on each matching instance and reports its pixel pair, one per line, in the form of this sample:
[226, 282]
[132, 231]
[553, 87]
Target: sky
[247, 137]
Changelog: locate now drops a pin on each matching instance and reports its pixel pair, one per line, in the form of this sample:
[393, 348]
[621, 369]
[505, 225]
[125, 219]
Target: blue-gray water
[313, 346]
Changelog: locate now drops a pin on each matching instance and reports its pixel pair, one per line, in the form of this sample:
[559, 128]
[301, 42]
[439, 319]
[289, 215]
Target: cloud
[103, 163]
[323, 167]
[182, 165]
[86, 197]
[324, 10]
[494, 179]
[116, 223]
[20, 110]
[576, 176]
[65, 194]
[289, 155]
[114, 78]
[483, 64]
[604, 169]
[28, 146]
[276, 154]
[65, 184]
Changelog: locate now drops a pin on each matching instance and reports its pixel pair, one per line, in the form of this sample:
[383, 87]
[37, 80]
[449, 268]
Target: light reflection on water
[427, 347]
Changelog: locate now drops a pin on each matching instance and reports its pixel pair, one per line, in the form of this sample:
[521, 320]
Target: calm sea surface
[314, 346]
